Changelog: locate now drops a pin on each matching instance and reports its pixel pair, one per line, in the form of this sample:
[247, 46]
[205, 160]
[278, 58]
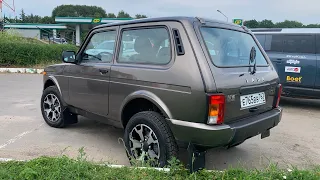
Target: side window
[262, 39]
[299, 44]
[100, 48]
[274, 42]
[145, 46]
[318, 44]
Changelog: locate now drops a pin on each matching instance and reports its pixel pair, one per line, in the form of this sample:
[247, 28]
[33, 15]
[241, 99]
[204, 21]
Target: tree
[266, 24]
[22, 15]
[312, 26]
[252, 23]
[285, 24]
[111, 15]
[78, 11]
[139, 16]
[123, 14]
[47, 20]
[289, 24]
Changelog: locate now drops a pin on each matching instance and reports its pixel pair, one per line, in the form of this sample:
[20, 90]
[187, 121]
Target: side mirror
[69, 56]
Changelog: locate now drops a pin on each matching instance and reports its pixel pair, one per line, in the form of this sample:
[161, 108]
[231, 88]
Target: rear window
[229, 48]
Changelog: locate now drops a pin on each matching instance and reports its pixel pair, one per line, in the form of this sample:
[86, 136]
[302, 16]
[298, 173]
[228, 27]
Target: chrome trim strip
[185, 92]
[198, 125]
[151, 87]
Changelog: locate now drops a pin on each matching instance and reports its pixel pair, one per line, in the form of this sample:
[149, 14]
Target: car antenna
[202, 21]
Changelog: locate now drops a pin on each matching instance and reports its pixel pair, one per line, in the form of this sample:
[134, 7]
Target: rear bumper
[225, 135]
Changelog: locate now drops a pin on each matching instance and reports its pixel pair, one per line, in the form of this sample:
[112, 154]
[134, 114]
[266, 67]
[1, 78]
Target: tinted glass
[299, 44]
[262, 39]
[145, 46]
[288, 43]
[230, 48]
[274, 43]
[100, 47]
[318, 44]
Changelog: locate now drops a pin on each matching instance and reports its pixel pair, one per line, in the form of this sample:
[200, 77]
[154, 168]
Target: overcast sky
[305, 11]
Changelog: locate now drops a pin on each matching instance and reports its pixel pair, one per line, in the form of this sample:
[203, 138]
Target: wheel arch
[146, 96]
[51, 81]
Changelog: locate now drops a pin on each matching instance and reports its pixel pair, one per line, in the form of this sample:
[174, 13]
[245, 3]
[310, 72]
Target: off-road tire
[65, 117]
[167, 143]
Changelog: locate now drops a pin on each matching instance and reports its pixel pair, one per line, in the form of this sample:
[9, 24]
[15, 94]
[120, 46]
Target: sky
[305, 11]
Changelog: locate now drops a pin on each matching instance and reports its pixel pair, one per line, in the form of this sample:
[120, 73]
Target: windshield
[230, 48]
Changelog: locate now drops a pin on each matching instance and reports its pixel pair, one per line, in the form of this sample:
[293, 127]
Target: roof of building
[89, 20]
[34, 26]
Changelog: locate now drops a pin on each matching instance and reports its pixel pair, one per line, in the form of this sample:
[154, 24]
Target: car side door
[293, 56]
[317, 83]
[89, 78]
[300, 60]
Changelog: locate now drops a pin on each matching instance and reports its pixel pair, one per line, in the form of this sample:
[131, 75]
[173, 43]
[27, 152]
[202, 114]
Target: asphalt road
[24, 135]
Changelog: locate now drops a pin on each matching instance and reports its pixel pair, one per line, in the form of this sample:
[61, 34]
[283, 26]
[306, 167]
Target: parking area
[24, 135]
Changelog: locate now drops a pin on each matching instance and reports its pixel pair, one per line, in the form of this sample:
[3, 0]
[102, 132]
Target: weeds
[66, 168]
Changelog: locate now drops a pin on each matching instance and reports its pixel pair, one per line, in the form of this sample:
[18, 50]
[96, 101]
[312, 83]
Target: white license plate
[252, 100]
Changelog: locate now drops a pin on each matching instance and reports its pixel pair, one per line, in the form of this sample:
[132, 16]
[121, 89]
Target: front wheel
[54, 112]
[149, 139]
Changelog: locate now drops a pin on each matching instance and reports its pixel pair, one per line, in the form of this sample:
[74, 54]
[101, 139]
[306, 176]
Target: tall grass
[66, 168]
[17, 51]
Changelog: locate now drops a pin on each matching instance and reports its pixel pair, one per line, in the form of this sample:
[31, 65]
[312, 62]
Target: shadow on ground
[311, 104]
[219, 158]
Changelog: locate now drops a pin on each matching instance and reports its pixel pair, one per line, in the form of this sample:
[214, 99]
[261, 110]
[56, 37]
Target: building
[66, 26]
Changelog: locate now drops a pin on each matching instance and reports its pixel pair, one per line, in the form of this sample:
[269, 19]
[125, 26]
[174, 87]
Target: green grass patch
[67, 168]
[17, 51]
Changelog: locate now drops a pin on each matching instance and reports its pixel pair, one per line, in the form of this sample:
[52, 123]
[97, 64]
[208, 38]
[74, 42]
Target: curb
[112, 166]
[21, 70]
[109, 165]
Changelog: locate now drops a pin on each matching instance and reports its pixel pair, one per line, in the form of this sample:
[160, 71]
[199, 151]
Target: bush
[24, 52]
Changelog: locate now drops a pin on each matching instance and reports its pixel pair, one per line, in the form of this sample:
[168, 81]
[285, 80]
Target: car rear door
[247, 92]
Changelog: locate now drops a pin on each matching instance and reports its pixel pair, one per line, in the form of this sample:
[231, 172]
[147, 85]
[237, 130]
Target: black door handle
[103, 71]
[278, 61]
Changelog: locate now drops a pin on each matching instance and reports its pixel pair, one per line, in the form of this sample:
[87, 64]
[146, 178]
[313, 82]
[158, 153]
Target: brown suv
[196, 81]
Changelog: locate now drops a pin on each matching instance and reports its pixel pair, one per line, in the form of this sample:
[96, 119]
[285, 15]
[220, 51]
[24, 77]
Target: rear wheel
[54, 112]
[149, 139]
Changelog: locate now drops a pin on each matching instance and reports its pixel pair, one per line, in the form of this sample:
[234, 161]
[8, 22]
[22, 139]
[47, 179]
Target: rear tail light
[279, 92]
[216, 109]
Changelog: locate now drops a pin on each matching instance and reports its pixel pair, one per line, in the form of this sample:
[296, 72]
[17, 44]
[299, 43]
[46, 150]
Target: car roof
[285, 30]
[182, 19]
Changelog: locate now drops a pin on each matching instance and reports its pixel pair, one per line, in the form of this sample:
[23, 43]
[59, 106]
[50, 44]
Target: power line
[6, 4]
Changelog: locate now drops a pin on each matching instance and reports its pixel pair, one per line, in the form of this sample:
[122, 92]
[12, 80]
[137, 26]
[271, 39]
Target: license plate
[252, 100]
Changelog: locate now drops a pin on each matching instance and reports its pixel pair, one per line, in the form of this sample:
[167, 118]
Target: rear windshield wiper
[252, 59]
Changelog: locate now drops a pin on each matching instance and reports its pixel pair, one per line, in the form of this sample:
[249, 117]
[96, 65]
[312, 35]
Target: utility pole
[223, 15]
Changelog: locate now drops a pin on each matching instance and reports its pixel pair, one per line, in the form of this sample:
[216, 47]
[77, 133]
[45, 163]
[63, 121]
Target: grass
[66, 168]
[17, 51]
